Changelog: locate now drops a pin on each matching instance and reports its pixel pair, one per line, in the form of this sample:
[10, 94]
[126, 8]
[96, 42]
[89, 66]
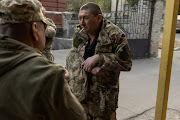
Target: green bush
[74, 5]
[132, 2]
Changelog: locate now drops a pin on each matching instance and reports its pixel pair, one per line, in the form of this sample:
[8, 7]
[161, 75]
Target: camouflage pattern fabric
[21, 11]
[47, 53]
[50, 33]
[33, 88]
[99, 94]
[78, 80]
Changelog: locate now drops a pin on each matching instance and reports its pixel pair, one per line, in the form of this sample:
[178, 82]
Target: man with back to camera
[31, 87]
[100, 51]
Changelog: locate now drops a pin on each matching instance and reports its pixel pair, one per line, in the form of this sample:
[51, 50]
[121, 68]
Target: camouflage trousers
[109, 115]
[101, 103]
[47, 53]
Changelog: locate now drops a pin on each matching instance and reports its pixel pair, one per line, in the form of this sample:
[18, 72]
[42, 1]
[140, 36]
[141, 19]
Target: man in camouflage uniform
[50, 34]
[31, 87]
[100, 51]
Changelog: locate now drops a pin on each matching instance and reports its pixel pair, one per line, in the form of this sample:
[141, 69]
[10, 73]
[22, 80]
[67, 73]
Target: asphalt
[138, 88]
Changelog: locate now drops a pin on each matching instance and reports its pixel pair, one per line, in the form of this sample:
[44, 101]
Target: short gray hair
[93, 7]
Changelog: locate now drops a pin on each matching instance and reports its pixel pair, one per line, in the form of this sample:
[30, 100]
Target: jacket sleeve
[58, 100]
[120, 59]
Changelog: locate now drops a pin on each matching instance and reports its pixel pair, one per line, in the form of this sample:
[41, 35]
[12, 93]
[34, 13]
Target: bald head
[31, 34]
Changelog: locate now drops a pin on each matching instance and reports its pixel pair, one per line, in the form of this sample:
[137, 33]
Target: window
[126, 7]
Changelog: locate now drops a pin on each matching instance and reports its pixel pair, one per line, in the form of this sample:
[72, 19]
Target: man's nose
[82, 22]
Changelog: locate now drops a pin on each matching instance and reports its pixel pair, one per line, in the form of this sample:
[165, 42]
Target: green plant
[132, 2]
[74, 5]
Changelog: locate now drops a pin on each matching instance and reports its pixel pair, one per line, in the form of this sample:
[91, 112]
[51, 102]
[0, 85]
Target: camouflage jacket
[50, 33]
[33, 88]
[115, 56]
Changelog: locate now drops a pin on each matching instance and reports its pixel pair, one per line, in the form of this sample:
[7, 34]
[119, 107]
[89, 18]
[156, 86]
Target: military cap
[21, 11]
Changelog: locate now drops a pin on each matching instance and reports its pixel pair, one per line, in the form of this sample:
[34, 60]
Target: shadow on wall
[63, 39]
[61, 43]
[69, 24]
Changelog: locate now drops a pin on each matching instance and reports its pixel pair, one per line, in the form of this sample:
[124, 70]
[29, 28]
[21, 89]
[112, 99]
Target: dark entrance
[135, 19]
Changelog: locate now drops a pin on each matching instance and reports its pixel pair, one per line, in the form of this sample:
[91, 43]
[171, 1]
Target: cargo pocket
[111, 99]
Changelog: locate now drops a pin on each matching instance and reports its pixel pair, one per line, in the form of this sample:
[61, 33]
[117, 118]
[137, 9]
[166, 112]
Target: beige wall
[120, 5]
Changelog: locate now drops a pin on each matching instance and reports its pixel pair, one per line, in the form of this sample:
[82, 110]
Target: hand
[98, 71]
[90, 63]
[66, 74]
[95, 70]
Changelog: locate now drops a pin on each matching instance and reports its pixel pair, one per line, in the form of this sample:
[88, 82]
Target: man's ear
[99, 17]
[35, 31]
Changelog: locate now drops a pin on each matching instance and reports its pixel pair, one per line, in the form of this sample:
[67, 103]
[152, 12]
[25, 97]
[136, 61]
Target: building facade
[54, 9]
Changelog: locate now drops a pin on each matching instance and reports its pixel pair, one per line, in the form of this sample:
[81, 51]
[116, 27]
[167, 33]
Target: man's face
[88, 21]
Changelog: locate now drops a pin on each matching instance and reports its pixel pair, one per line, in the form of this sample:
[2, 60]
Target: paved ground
[176, 43]
[149, 115]
[138, 88]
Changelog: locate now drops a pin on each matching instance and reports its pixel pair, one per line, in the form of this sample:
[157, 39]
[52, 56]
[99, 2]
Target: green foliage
[105, 5]
[132, 2]
[74, 5]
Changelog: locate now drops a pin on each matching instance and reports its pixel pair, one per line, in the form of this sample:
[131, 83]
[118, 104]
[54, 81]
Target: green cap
[21, 11]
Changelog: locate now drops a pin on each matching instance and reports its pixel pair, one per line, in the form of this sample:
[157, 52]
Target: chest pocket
[104, 45]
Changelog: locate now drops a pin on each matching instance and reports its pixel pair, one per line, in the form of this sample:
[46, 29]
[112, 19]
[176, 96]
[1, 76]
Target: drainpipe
[117, 1]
